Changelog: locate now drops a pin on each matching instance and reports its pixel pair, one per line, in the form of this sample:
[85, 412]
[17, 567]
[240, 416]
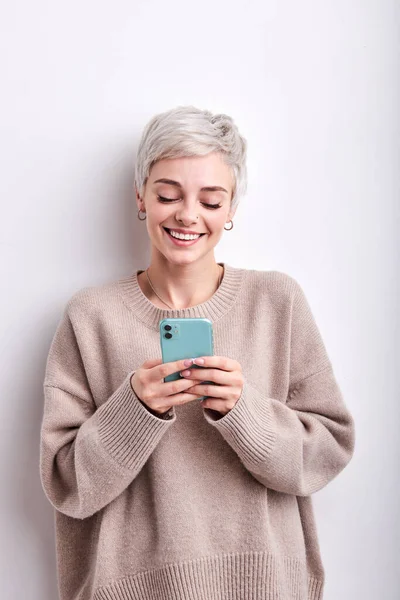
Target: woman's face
[189, 194]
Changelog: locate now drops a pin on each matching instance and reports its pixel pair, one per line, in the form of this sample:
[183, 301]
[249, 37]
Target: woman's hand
[226, 373]
[148, 384]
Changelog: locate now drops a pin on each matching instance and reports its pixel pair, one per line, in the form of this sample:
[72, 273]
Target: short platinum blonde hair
[190, 131]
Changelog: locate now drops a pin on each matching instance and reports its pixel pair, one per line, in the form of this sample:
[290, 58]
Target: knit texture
[194, 505]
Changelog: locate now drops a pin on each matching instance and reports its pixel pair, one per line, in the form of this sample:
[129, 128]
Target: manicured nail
[188, 362]
[198, 361]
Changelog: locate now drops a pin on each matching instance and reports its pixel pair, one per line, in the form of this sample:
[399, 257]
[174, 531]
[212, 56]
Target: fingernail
[188, 362]
[185, 373]
[198, 361]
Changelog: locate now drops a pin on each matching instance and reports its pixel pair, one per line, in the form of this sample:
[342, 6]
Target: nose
[186, 214]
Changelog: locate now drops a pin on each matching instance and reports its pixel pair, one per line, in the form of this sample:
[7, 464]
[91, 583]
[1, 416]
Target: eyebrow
[209, 188]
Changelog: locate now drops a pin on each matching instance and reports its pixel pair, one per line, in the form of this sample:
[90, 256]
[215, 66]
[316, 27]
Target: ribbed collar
[214, 308]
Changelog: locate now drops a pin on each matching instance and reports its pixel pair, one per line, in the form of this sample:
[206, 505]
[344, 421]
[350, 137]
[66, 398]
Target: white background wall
[314, 87]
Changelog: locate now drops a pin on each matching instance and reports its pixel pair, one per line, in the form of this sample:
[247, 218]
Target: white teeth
[183, 236]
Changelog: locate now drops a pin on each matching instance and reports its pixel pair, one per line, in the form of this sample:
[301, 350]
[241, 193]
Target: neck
[181, 286]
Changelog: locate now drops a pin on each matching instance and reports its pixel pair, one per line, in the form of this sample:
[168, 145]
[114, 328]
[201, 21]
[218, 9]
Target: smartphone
[185, 338]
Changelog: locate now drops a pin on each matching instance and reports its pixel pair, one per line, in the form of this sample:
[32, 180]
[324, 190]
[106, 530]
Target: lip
[179, 230]
[182, 243]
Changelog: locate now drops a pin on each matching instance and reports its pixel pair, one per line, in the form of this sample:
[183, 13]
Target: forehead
[194, 171]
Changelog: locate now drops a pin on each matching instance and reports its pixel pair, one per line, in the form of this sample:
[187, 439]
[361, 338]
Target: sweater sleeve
[299, 446]
[89, 455]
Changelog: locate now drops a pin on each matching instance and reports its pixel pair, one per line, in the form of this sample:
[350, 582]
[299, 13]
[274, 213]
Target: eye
[166, 200]
[213, 206]
[162, 199]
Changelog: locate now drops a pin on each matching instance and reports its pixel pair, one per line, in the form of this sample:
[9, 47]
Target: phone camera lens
[168, 328]
[168, 335]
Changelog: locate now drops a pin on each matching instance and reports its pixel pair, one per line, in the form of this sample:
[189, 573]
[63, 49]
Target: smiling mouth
[169, 231]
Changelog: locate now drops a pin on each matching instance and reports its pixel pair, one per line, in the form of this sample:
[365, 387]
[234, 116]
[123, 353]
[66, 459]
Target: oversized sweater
[196, 505]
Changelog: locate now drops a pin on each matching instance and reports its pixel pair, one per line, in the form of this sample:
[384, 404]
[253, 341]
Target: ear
[139, 201]
[232, 213]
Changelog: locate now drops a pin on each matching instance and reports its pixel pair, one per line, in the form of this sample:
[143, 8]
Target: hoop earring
[229, 228]
[139, 217]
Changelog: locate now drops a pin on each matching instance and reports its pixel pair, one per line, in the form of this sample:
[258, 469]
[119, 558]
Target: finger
[169, 388]
[220, 404]
[152, 362]
[164, 369]
[219, 362]
[216, 375]
[215, 391]
[178, 399]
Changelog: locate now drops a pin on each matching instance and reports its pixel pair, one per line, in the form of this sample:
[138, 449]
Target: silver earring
[145, 217]
[229, 228]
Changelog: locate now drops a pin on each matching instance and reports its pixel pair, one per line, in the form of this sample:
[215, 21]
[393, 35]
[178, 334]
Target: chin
[183, 258]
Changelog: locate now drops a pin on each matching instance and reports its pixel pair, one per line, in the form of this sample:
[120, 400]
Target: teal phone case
[185, 338]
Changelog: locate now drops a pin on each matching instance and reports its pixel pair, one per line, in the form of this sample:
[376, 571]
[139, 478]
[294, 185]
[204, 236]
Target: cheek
[217, 222]
[156, 216]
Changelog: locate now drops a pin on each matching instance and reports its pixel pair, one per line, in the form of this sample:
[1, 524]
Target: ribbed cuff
[127, 429]
[248, 427]
[165, 415]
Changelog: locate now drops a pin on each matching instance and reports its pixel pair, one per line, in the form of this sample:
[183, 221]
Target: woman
[159, 495]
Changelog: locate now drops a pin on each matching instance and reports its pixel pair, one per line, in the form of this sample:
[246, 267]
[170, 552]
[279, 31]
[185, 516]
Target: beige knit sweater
[198, 506]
